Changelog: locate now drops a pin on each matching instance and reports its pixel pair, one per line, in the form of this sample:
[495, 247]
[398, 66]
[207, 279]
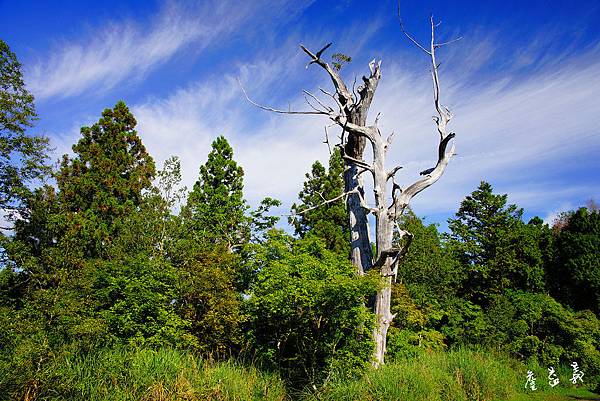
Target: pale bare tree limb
[393, 172]
[326, 141]
[441, 120]
[360, 163]
[260, 106]
[326, 107]
[326, 202]
[407, 34]
[335, 99]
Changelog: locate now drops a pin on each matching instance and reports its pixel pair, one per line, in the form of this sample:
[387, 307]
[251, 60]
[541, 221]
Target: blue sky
[522, 83]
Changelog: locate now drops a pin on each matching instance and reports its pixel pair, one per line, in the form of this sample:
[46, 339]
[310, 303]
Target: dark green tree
[428, 269]
[328, 222]
[208, 299]
[22, 157]
[215, 209]
[574, 277]
[537, 327]
[104, 182]
[495, 248]
[427, 283]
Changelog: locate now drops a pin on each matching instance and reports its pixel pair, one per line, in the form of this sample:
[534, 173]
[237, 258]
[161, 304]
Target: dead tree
[390, 200]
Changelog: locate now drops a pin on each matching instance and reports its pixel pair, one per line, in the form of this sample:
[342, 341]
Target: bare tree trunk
[351, 117]
[361, 254]
[384, 235]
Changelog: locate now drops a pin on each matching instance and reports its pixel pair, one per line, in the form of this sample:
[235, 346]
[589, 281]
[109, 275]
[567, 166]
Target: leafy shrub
[308, 314]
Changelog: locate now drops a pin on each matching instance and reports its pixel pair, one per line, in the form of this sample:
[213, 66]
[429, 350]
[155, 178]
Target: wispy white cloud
[274, 151]
[512, 129]
[127, 50]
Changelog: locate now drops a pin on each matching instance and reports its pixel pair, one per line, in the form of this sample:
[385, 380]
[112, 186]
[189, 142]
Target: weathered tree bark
[351, 116]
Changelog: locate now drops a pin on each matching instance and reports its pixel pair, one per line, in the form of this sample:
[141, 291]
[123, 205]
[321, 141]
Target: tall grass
[165, 374]
[125, 374]
[460, 375]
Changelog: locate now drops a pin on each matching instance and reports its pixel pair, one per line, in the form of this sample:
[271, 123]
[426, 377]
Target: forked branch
[345, 97]
[341, 196]
[280, 111]
[442, 119]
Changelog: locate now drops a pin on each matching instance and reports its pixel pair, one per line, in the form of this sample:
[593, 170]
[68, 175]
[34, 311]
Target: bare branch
[393, 172]
[310, 104]
[358, 162]
[327, 140]
[362, 171]
[335, 99]
[376, 123]
[278, 110]
[448, 42]
[390, 138]
[329, 109]
[402, 254]
[431, 175]
[326, 202]
[407, 34]
[395, 188]
[385, 254]
[364, 204]
[360, 130]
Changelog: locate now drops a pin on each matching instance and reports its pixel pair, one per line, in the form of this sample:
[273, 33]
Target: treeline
[100, 261]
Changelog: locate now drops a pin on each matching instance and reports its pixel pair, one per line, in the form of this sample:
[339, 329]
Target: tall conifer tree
[215, 210]
[326, 222]
[105, 180]
[497, 250]
[22, 156]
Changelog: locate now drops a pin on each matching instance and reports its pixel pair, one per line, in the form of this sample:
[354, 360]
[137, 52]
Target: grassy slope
[175, 375]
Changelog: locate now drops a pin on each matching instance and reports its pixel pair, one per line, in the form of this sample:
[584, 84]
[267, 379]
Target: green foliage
[22, 157]
[496, 249]
[412, 331]
[154, 230]
[428, 270]
[103, 261]
[536, 327]
[260, 220]
[339, 59]
[135, 297]
[428, 280]
[105, 180]
[209, 301]
[327, 222]
[215, 209]
[307, 311]
[575, 273]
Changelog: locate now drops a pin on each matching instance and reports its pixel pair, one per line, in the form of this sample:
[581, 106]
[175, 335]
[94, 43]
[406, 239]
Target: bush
[307, 311]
